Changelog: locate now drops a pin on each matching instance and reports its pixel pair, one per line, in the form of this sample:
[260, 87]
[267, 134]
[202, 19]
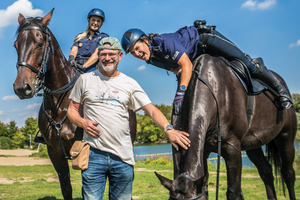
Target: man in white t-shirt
[106, 95]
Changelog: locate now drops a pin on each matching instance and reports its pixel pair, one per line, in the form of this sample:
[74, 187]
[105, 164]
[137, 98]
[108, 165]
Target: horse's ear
[164, 181]
[47, 17]
[20, 18]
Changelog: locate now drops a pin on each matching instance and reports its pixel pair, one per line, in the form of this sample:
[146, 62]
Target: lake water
[158, 150]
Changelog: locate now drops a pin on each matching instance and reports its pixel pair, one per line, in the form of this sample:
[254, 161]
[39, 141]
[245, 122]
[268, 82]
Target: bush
[296, 163]
[161, 161]
[5, 143]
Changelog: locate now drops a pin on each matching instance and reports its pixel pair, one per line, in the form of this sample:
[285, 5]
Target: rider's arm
[93, 58]
[186, 66]
[74, 51]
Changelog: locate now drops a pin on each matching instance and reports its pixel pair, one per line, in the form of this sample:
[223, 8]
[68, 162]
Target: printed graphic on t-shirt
[109, 97]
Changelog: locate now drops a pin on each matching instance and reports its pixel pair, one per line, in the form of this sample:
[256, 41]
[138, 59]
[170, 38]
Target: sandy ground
[20, 157]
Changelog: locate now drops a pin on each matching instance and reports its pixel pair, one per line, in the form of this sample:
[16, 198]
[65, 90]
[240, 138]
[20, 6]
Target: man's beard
[109, 68]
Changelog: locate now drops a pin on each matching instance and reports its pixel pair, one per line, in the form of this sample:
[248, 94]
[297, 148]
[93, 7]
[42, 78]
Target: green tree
[30, 128]
[3, 129]
[147, 131]
[296, 101]
[5, 142]
[12, 129]
[19, 140]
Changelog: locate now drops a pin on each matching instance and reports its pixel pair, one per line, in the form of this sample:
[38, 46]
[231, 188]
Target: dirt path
[20, 157]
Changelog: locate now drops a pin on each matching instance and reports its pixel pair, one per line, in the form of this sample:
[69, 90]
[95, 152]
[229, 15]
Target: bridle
[40, 83]
[192, 198]
[40, 73]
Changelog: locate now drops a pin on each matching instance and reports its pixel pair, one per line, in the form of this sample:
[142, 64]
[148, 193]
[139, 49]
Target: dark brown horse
[268, 126]
[42, 65]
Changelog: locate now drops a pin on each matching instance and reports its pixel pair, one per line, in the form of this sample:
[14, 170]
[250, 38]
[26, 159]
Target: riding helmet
[96, 12]
[130, 37]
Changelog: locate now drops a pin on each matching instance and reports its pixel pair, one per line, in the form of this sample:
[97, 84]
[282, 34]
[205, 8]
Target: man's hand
[90, 127]
[178, 137]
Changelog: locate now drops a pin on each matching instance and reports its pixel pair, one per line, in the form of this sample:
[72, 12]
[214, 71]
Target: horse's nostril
[27, 89]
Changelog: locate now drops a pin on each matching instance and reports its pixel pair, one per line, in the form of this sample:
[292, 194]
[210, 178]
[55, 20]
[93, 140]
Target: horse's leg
[285, 143]
[175, 121]
[205, 184]
[265, 170]
[62, 168]
[233, 159]
[132, 125]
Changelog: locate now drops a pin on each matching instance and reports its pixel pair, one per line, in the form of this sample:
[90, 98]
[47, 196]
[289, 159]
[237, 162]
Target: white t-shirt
[106, 100]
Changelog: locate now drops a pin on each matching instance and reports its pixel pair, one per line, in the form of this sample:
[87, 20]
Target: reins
[41, 84]
[219, 130]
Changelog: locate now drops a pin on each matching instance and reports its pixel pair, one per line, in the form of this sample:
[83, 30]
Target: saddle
[251, 85]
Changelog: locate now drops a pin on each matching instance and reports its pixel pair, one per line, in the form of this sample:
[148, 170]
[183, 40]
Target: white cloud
[254, 5]
[11, 97]
[9, 16]
[295, 44]
[143, 67]
[33, 106]
[1, 112]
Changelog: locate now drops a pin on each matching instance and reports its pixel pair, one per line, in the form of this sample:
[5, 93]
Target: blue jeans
[103, 165]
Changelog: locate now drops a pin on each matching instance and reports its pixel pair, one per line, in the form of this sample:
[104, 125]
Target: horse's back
[266, 121]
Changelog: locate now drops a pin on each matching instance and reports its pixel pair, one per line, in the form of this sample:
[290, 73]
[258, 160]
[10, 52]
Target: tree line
[12, 137]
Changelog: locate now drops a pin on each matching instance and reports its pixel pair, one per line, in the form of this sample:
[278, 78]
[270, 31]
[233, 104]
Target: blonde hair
[82, 35]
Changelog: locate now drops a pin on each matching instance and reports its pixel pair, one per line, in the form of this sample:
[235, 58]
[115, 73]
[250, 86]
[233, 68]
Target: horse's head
[185, 187]
[33, 44]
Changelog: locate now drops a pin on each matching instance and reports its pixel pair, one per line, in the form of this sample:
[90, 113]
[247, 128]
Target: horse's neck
[59, 74]
[61, 71]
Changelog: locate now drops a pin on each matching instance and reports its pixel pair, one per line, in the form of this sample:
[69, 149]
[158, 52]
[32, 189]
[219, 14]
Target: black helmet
[130, 37]
[96, 12]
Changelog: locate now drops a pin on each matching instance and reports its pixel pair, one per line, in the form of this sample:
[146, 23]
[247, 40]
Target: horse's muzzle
[23, 91]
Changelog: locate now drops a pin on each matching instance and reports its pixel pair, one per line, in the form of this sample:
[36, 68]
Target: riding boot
[262, 73]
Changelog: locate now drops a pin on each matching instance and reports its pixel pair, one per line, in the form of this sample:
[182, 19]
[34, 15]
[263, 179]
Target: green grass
[40, 182]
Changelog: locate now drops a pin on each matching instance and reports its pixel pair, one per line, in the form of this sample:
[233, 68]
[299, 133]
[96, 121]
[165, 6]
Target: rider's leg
[220, 45]
[263, 74]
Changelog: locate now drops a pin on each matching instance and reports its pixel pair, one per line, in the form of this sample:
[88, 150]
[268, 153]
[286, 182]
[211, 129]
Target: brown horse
[200, 115]
[42, 65]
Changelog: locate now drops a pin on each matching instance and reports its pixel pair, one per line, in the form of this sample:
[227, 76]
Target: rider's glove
[81, 67]
[72, 61]
[74, 64]
[177, 103]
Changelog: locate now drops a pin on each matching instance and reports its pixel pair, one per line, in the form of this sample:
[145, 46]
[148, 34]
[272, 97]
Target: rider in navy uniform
[176, 51]
[83, 53]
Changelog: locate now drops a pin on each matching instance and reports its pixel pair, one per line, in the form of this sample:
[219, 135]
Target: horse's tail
[275, 159]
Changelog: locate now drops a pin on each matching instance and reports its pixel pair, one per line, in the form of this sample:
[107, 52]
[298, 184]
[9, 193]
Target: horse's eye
[39, 45]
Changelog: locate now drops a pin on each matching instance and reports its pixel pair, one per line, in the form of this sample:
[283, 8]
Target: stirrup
[39, 138]
[283, 102]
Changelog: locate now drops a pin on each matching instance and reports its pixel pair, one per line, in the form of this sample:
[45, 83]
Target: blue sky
[263, 28]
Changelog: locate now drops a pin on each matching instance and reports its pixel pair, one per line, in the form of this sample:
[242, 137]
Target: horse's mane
[31, 21]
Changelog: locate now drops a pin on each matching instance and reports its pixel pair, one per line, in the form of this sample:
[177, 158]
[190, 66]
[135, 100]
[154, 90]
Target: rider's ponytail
[82, 35]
